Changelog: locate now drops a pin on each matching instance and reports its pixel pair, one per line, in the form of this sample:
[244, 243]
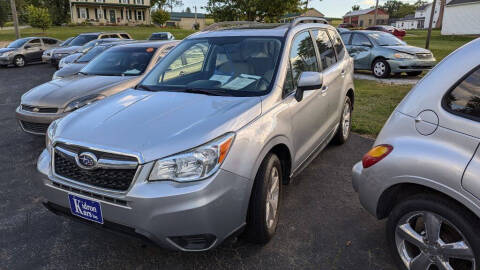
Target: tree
[398, 9]
[173, 3]
[356, 7]
[160, 16]
[38, 17]
[188, 10]
[420, 3]
[4, 10]
[159, 4]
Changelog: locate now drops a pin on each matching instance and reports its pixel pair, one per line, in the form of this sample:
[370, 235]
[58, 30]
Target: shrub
[160, 16]
[38, 17]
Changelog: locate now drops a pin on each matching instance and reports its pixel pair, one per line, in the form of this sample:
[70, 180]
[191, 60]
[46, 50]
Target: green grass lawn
[374, 102]
[139, 32]
[441, 46]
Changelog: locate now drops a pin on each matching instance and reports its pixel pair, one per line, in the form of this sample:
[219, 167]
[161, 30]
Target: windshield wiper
[210, 92]
[141, 86]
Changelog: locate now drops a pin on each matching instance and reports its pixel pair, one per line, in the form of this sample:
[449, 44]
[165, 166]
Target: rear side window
[125, 36]
[337, 44]
[464, 99]
[346, 38]
[360, 40]
[302, 58]
[49, 41]
[325, 48]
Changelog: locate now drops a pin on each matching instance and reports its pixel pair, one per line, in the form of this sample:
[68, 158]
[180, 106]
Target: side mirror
[308, 81]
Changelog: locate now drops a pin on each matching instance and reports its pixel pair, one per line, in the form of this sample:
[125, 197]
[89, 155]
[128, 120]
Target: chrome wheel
[426, 240]
[19, 61]
[346, 120]
[379, 69]
[272, 198]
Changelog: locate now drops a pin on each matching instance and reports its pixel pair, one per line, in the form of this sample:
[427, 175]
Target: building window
[124, 1]
[99, 13]
[139, 15]
[83, 13]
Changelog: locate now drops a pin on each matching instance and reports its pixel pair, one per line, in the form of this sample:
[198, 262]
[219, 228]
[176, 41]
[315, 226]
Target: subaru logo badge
[36, 109]
[87, 160]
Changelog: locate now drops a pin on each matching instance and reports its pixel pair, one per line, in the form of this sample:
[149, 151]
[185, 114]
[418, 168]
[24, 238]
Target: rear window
[464, 98]
[82, 39]
[159, 37]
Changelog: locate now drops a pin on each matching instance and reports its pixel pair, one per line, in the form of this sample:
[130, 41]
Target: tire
[381, 69]
[257, 230]
[19, 61]
[3, 66]
[455, 224]
[414, 73]
[345, 125]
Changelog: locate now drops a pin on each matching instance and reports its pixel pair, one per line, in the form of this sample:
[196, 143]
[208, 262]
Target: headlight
[404, 56]
[195, 164]
[52, 128]
[78, 103]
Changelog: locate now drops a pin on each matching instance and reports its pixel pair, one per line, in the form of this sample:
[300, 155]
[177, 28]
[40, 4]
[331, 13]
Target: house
[110, 12]
[425, 12]
[186, 20]
[461, 17]
[409, 22]
[365, 17]
[311, 12]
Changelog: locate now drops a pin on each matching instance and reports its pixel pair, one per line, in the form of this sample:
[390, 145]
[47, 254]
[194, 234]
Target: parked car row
[190, 143]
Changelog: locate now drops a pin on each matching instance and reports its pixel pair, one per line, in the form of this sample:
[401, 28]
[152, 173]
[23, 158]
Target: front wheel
[430, 232]
[262, 217]
[345, 125]
[381, 68]
[19, 61]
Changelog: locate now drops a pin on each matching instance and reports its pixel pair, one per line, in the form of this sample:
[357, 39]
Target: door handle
[324, 90]
[343, 73]
[181, 73]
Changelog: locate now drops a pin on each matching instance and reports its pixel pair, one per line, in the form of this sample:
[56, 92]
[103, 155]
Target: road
[322, 225]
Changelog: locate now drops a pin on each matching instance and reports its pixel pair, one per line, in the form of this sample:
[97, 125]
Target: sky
[331, 8]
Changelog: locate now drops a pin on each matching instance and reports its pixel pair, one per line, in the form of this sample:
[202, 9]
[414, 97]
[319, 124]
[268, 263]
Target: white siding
[462, 19]
[407, 24]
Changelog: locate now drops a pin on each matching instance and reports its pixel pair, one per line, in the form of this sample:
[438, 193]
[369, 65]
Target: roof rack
[300, 20]
[231, 24]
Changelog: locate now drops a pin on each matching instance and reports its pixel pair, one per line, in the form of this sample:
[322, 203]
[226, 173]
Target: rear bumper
[165, 212]
[365, 188]
[46, 58]
[411, 65]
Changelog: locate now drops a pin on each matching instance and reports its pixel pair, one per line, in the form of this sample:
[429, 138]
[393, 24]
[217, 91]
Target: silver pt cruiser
[199, 150]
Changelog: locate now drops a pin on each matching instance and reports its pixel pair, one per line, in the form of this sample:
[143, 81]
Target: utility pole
[376, 13]
[432, 13]
[15, 18]
[306, 4]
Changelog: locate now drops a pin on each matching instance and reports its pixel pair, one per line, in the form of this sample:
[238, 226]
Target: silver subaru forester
[199, 150]
[424, 170]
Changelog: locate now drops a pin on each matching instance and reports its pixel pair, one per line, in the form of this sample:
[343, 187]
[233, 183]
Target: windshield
[386, 39]
[18, 43]
[82, 39]
[162, 36]
[91, 54]
[66, 42]
[120, 61]
[239, 66]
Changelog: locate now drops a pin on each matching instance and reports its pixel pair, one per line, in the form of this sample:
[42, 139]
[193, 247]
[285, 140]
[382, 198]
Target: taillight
[376, 154]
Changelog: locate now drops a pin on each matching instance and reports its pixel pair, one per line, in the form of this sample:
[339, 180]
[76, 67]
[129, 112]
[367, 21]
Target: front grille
[115, 179]
[424, 55]
[34, 127]
[29, 108]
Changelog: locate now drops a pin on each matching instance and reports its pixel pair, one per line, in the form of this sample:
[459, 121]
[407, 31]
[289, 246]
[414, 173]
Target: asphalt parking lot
[322, 225]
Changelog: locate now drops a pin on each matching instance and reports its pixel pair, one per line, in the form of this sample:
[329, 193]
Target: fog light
[194, 242]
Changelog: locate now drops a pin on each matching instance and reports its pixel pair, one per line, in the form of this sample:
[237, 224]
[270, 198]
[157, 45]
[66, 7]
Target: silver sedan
[424, 170]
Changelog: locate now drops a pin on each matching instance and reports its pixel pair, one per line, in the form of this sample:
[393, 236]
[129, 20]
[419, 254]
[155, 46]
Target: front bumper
[36, 123]
[411, 65]
[162, 211]
[6, 60]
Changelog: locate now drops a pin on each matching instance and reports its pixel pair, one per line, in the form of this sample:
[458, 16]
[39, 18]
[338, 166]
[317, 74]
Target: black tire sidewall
[339, 139]
[387, 68]
[450, 210]
[257, 230]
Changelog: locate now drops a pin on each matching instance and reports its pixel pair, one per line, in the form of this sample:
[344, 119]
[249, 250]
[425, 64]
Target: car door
[310, 115]
[360, 50]
[33, 50]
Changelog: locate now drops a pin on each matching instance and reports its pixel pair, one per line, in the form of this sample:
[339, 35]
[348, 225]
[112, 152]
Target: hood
[2, 50]
[71, 49]
[70, 69]
[408, 49]
[72, 57]
[59, 93]
[157, 124]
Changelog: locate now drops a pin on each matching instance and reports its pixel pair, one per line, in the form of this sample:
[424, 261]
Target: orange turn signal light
[224, 147]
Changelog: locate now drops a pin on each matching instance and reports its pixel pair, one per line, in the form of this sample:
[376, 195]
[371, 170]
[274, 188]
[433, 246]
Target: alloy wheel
[19, 62]
[346, 120]
[272, 198]
[427, 241]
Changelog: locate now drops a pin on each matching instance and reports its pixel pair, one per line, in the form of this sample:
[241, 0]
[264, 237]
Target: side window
[464, 99]
[35, 43]
[346, 38]
[360, 40]
[164, 52]
[325, 48]
[49, 41]
[302, 56]
[337, 44]
[190, 61]
[289, 85]
[125, 36]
